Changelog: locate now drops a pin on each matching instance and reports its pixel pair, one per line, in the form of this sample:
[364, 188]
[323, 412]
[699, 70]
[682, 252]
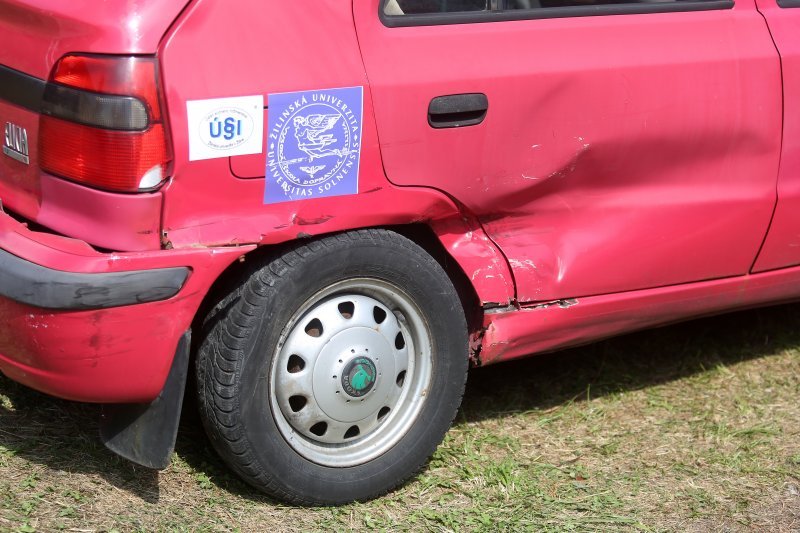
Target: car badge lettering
[314, 144]
[15, 145]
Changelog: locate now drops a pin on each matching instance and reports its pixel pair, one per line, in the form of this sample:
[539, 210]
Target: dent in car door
[618, 152]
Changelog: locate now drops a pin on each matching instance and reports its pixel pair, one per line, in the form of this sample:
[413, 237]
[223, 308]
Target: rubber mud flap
[145, 433]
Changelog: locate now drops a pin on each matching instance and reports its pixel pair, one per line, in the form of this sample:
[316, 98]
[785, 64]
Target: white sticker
[224, 127]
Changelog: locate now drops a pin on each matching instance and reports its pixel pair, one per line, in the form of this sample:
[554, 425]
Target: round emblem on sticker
[359, 376]
[227, 128]
[313, 144]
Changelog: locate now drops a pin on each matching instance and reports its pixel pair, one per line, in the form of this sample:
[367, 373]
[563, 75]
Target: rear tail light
[102, 123]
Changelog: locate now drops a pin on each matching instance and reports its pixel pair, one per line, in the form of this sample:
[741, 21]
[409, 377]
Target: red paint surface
[114, 221]
[37, 33]
[534, 330]
[478, 257]
[609, 160]
[121, 354]
[782, 247]
[206, 202]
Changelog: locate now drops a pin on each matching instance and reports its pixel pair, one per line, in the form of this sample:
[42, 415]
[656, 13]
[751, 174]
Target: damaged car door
[603, 146]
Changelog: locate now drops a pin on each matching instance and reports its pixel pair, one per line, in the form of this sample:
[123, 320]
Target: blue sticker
[314, 144]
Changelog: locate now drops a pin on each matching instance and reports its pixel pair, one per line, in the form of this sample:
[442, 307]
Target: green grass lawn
[690, 427]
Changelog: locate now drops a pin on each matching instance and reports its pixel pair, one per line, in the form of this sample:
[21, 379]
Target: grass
[691, 427]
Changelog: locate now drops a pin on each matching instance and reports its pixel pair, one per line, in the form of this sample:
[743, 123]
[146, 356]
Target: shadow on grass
[64, 435]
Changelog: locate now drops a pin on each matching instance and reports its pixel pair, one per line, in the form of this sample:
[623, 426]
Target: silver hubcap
[351, 372]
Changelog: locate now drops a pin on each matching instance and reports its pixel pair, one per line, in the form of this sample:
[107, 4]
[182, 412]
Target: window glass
[536, 4]
[416, 7]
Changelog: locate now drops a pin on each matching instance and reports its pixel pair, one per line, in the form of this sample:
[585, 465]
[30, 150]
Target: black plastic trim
[470, 17]
[32, 284]
[21, 89]
[145, 433]
[789, 3]
[105, 111]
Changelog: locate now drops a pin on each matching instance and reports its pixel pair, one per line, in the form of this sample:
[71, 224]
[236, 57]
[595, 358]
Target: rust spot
[475, 346]
[165, 242]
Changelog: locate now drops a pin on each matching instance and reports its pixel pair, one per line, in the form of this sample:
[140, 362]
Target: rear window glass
[417, 7]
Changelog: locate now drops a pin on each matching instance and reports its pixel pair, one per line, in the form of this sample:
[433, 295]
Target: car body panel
[782, 246]
[109, 220]
[37, 34]
[562, 324]
[207, 203]
[605, 154]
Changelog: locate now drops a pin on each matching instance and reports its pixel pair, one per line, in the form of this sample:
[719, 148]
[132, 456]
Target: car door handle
[457, 110]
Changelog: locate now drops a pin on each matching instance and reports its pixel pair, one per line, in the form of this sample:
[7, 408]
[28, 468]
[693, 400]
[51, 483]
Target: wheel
[332, 373]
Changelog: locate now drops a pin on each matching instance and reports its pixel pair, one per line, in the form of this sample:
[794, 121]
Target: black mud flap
[145, 433]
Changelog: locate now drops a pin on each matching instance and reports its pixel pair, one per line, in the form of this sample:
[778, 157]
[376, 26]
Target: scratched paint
[97, 355]
[560, 324]
[478, 257]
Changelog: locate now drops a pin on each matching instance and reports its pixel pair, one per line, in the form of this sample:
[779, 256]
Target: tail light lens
[102, 123]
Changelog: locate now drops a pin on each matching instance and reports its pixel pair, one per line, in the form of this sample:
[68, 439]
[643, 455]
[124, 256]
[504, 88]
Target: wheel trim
[351, 328]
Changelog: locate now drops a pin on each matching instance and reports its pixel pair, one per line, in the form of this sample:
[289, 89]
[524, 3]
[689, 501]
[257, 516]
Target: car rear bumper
[96, 327]
[28, 283]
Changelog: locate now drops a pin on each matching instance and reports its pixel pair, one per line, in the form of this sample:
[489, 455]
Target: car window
[535, 4]
[431, 7]
[419, 7]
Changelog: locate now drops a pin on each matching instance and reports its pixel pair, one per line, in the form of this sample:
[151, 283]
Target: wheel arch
[476, 268]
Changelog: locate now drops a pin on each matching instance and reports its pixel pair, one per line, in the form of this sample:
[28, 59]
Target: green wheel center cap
[359, 376]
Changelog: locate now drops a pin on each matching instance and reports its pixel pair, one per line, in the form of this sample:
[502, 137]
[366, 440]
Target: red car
[325, 210]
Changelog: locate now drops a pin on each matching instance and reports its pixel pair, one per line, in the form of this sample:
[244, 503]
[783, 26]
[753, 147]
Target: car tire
[331, 374]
